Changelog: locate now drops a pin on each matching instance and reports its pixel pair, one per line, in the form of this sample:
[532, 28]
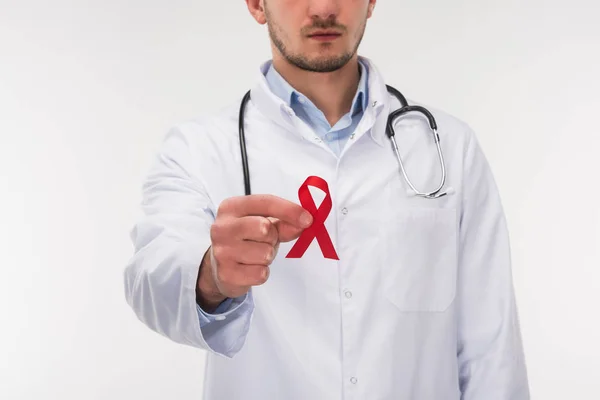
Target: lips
[325, 33]
[325, 36]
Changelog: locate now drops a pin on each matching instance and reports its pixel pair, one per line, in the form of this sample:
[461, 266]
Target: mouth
[325, 36]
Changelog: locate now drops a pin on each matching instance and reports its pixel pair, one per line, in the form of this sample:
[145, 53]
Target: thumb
[287, 232]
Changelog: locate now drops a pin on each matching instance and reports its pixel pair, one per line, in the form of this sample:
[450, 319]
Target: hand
[245, 239]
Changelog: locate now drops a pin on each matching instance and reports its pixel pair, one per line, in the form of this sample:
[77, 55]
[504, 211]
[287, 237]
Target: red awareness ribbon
[317, 229]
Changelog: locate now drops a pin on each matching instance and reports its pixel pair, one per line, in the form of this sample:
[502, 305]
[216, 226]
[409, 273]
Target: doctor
[329, 281]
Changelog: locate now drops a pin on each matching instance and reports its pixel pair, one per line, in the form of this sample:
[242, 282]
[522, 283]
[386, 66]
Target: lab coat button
[348, 294]
[344, 211]
[353, 380]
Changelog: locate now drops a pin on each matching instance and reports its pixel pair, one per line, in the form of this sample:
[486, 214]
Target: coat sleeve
[490, 351]
[170, 240]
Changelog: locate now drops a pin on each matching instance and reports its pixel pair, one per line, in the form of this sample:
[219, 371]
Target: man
[356, 291]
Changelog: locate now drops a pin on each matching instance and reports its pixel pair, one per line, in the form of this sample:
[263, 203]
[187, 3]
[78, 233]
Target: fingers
[243, 276]
[253, 228]
[286, 232]
[266, 205]
[248, 252]
[257, 229]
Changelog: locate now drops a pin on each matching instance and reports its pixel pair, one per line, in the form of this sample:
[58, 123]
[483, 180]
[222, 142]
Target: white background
[89, 88]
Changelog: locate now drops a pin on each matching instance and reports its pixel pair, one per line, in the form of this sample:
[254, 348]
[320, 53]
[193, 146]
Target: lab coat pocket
[420, 262]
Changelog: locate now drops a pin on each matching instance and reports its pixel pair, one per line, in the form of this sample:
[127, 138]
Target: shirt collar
[377, 101]
[282, 89]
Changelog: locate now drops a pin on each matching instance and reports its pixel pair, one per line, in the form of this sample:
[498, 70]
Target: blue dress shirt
[335, 136]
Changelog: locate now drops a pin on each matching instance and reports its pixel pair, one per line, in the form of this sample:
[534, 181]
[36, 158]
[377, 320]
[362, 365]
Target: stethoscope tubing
[394, 115]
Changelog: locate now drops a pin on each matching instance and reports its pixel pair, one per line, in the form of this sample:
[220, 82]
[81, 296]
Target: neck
[330, 92]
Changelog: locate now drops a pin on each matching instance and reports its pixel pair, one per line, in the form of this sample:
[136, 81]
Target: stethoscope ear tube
[243, 144]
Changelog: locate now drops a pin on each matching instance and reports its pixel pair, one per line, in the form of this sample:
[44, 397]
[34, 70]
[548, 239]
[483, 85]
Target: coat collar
[376, 111]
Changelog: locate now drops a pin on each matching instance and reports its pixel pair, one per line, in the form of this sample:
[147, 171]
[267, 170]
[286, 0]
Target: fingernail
[305, 219]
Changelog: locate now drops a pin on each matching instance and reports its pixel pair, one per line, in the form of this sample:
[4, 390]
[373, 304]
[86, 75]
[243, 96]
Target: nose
[324, 9]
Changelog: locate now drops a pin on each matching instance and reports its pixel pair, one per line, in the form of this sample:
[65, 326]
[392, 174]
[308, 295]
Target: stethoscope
[403, 110]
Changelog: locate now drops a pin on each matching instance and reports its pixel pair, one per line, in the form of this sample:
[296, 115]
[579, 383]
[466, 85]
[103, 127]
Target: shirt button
[301, 100]
[348, 294]
[344, 211]
[219, 318]
[353, 380]
[352, 136]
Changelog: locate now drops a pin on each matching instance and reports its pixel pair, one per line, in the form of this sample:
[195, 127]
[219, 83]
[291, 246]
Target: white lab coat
[420, 304]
